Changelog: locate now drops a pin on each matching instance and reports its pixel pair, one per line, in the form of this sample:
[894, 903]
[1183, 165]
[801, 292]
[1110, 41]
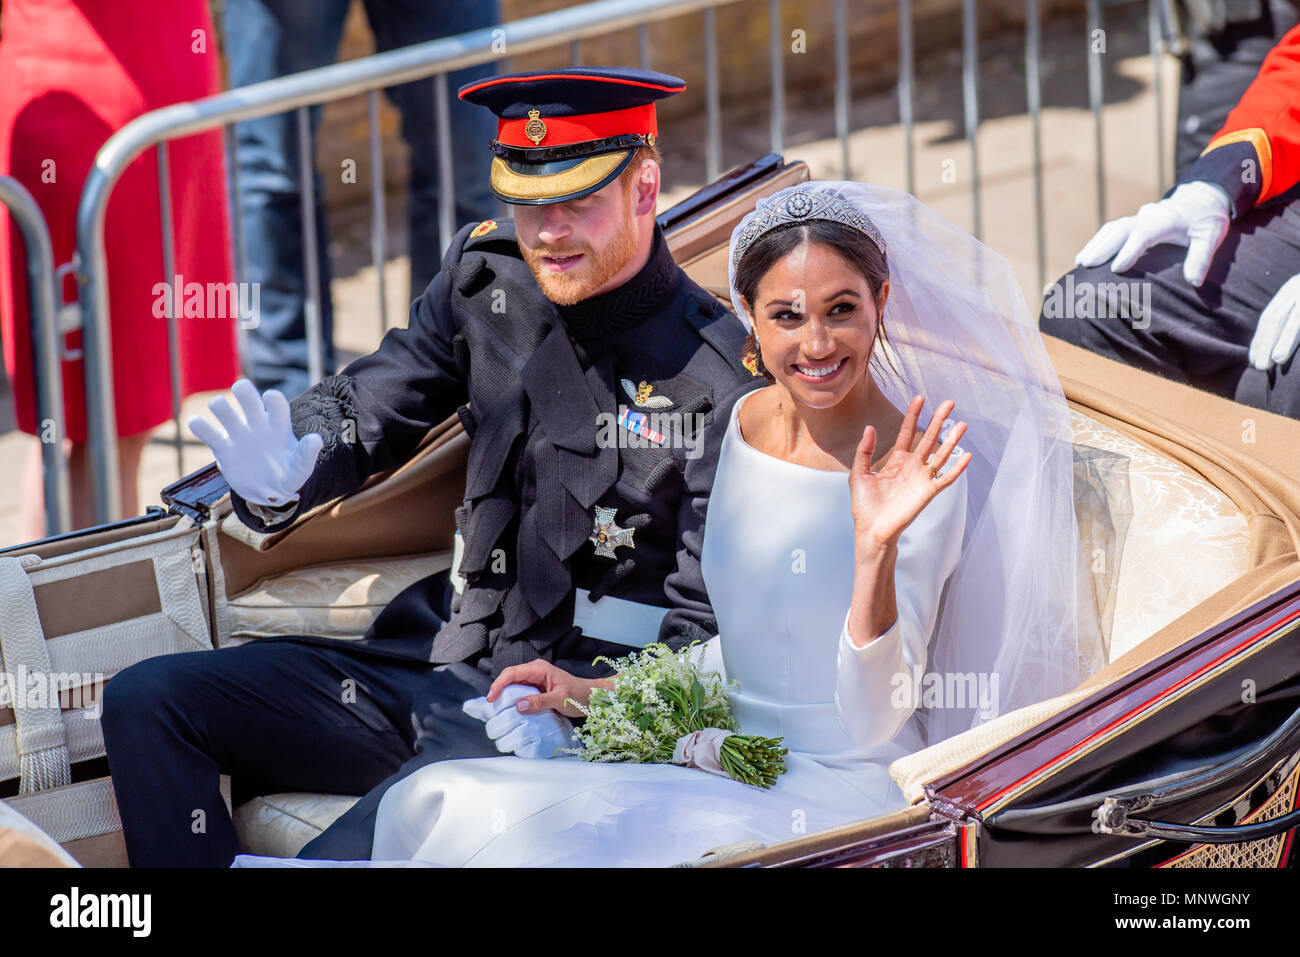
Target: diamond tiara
[801, 206]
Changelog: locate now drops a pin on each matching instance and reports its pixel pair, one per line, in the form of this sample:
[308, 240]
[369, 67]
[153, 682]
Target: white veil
[1016, 613]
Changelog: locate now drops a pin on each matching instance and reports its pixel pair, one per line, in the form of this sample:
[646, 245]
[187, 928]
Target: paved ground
[877, 152]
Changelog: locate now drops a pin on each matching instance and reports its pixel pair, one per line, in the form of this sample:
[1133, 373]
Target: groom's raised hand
[256, 450]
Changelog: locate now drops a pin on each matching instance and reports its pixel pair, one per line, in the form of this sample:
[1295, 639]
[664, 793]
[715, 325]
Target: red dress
[71, 74]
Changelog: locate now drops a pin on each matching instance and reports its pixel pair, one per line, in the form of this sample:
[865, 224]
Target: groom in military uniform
[582, 362]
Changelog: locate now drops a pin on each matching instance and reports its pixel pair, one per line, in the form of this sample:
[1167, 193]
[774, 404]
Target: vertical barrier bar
[842, 85]
[446, 190]
[311, 267]
[46, 370]
[97, 350]
[1034, 98]
[169, 274]
[228, 138]
[776, 41]
[1095, 99]
[1157, 88]
[906, 86]
[575, 53]
[643, 45]
[713, 159]
[378, 219]
[970, 99]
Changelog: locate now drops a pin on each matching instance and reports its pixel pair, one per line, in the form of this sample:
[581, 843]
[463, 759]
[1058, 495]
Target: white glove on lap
[538, 734]
[1195, 215]
[258, 454]
[1279, 327]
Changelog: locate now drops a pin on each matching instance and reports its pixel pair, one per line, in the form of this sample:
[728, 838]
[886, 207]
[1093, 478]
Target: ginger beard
[598, 265]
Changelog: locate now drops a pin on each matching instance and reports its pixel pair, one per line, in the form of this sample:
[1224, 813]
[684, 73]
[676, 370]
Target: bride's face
[816, 322]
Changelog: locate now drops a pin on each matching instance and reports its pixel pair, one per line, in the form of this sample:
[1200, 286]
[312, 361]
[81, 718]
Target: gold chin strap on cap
[514, 185]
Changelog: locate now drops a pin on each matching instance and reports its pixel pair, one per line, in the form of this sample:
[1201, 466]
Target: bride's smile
[816, 325]
[820, 375]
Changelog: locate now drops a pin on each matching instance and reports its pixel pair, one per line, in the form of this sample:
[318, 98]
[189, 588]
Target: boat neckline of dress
[735, 417]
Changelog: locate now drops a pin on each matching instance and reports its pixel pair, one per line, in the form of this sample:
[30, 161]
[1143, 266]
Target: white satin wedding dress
[778, 563]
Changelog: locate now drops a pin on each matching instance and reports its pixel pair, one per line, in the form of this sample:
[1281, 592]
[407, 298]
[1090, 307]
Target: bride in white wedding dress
[779, 563]
[838, 574]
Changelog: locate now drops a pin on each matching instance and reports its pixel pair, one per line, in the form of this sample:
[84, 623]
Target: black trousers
[277, 714]
[1200, 337]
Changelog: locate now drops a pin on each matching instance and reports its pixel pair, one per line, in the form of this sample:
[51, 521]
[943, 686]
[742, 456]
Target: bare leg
[130, 450]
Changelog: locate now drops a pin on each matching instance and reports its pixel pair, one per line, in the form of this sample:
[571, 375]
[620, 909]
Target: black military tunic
[587, 481]
[575, 414]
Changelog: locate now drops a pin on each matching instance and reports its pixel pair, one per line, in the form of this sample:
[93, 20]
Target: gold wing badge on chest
[641, 397]
[606, 535]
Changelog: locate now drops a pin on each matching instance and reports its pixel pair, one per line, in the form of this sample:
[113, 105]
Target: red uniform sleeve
[1256, 155]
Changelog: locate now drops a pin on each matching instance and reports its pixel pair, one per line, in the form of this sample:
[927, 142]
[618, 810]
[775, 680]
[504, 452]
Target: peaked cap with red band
[562, 134]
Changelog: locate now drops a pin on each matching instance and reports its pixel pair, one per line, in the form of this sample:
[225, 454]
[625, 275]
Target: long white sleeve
[867, 678]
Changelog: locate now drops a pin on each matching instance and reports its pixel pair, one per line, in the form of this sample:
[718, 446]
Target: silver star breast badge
[606, 535]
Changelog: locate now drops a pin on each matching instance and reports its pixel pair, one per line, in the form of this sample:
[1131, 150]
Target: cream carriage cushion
[334, 601]
[1156, 538]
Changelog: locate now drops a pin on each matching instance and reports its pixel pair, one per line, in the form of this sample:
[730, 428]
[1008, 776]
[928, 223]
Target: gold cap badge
[484, 227]
[534, 129]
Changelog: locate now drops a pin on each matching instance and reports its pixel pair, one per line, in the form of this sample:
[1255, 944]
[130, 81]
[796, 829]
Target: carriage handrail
[42, 295]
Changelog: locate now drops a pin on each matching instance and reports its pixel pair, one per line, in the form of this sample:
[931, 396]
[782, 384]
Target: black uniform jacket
[541, 389]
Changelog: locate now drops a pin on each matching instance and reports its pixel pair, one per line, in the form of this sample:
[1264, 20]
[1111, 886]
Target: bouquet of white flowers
[664, 710]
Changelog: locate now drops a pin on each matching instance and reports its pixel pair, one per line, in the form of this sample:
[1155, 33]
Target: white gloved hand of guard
[1195, 215]
[539, 734]
[258, 454]
[1279, 327]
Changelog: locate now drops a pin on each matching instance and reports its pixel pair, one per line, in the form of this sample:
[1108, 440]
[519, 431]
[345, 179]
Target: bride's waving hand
[885, 502]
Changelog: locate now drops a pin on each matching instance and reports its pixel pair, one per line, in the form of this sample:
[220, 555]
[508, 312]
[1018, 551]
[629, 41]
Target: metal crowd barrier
[42, 294]
[438, 57]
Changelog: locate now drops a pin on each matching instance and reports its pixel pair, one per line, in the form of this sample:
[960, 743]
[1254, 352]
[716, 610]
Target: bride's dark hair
[851, 244]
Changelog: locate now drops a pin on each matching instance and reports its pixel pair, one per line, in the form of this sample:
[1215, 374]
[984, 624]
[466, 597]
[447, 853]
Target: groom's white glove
[1278, 331]
[539, 734]
[1195, 215]
[258, 454]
